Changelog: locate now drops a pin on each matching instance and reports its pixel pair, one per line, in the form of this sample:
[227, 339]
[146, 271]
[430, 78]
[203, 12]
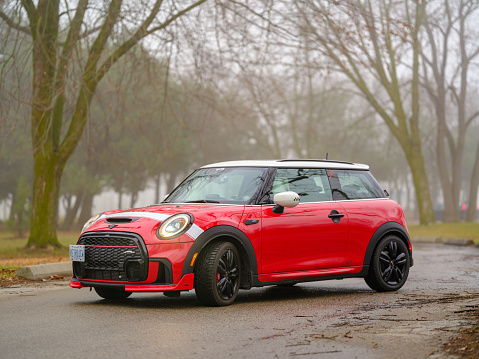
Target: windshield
[230, 185]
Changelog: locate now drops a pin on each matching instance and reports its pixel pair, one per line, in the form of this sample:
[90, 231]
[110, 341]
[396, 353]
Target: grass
[8, 277]
[8, 271]
[13, 251]
[466, 230]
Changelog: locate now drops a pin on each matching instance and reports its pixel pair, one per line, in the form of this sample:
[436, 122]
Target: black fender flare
[220, 231]
[385, 229]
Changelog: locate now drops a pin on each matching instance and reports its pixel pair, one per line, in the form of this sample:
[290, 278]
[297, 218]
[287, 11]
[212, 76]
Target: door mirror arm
[278, 209]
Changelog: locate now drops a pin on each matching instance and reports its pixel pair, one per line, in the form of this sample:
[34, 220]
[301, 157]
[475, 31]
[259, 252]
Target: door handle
[335, 216]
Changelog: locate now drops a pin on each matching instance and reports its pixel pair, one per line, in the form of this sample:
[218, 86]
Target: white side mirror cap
[288, 199]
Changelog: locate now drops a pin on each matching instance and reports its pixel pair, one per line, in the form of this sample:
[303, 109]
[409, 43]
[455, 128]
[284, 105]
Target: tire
[218, 276]
[112, 293]
[390, 264]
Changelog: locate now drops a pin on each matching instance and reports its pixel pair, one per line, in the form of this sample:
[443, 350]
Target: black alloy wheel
[217, 278]
[390, 264]
[112, 293]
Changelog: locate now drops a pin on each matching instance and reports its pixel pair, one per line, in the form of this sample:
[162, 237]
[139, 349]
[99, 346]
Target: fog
[389, 84]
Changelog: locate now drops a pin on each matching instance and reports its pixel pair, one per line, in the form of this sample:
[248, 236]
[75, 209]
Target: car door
[367, 206]
[312, 235]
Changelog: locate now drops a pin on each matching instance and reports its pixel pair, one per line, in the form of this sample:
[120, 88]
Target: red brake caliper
[218, 277]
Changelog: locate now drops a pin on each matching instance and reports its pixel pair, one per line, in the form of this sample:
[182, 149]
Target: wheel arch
[389, 228]
[228, 234]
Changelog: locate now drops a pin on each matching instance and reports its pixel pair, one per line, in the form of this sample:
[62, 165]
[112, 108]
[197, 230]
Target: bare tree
[61, 33]
[448, 56]
[471, 211]
[375, 45]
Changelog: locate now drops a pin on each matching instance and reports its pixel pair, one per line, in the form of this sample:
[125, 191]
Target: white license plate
[77, 253]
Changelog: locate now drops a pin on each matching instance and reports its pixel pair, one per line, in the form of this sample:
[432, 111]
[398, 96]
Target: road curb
[426, 240]
[43, 271]
[459, 242]
[448, 241]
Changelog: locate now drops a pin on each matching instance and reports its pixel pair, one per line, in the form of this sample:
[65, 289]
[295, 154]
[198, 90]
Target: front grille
[115, 256]
[110, 258]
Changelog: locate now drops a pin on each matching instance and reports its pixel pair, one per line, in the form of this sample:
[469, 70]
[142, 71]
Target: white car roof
[301, 163]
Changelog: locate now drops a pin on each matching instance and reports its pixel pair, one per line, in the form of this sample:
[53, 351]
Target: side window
[312, 185]
[356, 185]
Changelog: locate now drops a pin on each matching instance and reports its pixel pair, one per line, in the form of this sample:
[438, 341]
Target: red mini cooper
[242, 224]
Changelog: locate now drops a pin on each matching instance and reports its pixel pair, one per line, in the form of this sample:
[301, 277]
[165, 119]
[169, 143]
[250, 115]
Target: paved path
[333, 319]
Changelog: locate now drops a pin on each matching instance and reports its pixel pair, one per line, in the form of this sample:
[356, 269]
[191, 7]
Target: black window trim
[336, 190]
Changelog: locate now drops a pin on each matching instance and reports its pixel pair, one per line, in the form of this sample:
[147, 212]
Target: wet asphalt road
[331, 319]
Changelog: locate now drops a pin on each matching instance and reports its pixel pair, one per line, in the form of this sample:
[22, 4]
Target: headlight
[175, 226]
[90, 222]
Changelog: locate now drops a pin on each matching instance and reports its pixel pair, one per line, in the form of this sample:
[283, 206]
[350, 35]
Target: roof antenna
[326, 156]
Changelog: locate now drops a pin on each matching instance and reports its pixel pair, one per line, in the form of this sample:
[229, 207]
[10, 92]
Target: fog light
[133, 271]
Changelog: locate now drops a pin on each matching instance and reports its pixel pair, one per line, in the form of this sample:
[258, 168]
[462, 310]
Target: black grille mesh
[106, 254]
[109, 258]
[107, 241]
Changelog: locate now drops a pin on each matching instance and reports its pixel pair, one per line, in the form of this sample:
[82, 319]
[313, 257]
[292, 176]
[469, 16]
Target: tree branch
[12, 23]
[31, 10]
[62, 69]
[99, 43]
[87, 89]
[471, 118]
[140, 34]
[89, 32]
[450, 140]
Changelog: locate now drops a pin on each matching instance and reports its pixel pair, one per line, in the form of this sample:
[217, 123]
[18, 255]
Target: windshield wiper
[203, 201]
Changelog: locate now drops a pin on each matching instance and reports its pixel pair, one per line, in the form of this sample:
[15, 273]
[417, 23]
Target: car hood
[145, 221]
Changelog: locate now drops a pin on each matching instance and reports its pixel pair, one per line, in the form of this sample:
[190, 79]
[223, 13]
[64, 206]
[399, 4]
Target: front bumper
[186, 283]
[122, 260]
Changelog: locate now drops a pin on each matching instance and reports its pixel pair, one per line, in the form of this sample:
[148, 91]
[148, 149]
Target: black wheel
[112, 293]
[217, 278]
[389, 265]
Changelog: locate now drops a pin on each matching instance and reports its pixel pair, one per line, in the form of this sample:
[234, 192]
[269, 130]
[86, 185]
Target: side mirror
[285, 199]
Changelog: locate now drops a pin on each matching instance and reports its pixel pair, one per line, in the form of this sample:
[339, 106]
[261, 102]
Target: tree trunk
[471, 211]
[451, 213]
[133, 199]
[72, 212]
[47, 175]
[457, 169]
[87, 204]
[171, 182]
[11, 216]
[421, 185]
[67, 203]
[157, 188]
[119, 199]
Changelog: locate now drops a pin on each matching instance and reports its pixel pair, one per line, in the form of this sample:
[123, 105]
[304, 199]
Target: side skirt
[309, 276]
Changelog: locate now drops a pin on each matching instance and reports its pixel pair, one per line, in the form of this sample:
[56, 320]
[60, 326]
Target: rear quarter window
[350, 184]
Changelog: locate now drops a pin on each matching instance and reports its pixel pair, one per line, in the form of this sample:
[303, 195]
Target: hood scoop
[117, 220]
